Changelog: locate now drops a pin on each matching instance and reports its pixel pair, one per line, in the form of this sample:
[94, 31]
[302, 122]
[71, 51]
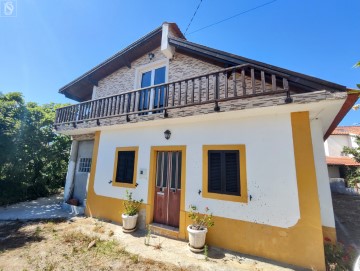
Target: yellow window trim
[243, 182]
[127, 185]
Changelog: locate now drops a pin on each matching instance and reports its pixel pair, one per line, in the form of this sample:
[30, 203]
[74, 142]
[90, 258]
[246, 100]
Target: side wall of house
[336, 144]
[322, 175]
[282, 219]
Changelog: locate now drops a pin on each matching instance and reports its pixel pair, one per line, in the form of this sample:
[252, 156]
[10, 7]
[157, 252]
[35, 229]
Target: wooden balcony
[239, 82]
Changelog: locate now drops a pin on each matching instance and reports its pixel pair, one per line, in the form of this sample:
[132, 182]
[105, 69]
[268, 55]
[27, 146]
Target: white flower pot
[197, 237]
[129, 222]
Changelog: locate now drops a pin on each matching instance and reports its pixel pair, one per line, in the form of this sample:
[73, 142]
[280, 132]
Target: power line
[192, 17]
[226, 19]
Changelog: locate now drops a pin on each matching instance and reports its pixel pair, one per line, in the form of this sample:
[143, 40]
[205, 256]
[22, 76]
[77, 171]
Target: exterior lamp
[151, 56]
[167, 134]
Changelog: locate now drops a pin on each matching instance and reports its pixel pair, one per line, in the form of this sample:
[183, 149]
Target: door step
[164, 230]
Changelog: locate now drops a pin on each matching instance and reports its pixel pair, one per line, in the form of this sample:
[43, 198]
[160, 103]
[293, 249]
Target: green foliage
[33, 159]
[131, 206]
[352, 174]
[206, 252]
[339, 257]
[200, 221]
[357, 65]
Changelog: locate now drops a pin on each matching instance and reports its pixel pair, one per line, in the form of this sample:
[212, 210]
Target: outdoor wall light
[151, 56]
[167, 134]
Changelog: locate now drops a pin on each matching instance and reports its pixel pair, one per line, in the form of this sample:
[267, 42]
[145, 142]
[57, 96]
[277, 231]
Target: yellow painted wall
[329, 233]
[300, 245]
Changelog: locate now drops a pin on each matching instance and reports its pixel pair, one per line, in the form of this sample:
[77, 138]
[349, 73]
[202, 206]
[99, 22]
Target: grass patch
[80, 242]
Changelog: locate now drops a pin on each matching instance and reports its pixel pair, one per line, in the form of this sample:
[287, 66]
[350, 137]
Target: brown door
[168, 186]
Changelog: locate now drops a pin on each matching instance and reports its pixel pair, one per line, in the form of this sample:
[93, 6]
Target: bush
[339, 257]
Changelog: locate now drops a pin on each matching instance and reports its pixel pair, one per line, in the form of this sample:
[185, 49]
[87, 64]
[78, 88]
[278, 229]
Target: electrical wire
[226, 19]
[192, 17]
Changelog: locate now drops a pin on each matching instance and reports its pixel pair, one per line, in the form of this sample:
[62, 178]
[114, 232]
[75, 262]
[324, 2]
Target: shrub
[339, 257]
[200, 221]
[131, 206]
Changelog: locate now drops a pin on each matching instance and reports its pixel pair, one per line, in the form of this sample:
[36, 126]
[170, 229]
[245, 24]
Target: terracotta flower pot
[197, 237]
[129, 222]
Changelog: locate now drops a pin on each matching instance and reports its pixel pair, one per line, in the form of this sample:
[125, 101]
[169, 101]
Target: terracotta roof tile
[342, 160]
[345, 130]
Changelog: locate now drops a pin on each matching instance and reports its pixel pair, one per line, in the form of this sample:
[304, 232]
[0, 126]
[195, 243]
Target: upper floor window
[152, 98]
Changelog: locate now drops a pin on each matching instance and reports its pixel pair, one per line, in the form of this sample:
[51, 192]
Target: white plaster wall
[81, 179]
[334, 172]
[336, 144]
[322, 175]
[271, 175]
[353, 141]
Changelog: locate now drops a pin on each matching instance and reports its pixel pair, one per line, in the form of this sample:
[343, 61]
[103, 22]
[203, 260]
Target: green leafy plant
[352, 174]
[206, 253]
[200, 221]
[339, 257]
[148, 235]
[131, 206]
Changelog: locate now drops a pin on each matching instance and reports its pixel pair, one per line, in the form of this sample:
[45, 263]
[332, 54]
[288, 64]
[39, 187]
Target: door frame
[151, 189]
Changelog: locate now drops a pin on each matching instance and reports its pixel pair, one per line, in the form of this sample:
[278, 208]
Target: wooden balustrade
[239, 82]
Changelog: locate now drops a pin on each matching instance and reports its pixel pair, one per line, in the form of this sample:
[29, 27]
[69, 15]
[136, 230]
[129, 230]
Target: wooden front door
[168, 187]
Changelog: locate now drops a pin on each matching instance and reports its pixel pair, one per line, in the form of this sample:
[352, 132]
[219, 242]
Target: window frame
[83, 164]
[121, 184]
[151, 67]
[243, 197]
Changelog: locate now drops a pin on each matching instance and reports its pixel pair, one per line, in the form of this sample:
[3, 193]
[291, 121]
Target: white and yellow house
[180, 124]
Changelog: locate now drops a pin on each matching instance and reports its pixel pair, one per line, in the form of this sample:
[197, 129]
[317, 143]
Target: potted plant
[129, 217]
[199, 227]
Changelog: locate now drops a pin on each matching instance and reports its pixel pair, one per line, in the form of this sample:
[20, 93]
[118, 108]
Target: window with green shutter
[224, 172]
[125, 167]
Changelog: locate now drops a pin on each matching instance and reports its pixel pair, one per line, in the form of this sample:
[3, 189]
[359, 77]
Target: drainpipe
[69, 184]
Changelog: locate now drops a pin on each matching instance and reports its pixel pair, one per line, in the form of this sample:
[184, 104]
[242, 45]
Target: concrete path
[42, 208]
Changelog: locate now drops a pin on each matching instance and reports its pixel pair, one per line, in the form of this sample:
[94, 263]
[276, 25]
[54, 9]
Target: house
[178, 123]
[337, 161]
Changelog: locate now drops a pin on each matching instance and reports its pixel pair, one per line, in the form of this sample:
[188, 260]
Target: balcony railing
[239, 82]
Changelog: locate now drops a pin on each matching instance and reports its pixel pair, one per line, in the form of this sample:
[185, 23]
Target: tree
[33, 158]
[357, 106]
[353, 173]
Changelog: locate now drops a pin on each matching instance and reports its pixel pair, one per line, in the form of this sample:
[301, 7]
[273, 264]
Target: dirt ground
[90, 244]
[56, 245]
[347, 218]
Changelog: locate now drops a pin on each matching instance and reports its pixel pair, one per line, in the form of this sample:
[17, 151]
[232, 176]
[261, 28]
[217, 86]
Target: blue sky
[50, 43]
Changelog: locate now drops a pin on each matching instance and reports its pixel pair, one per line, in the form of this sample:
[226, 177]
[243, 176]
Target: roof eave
[110, 59]
[295, 77]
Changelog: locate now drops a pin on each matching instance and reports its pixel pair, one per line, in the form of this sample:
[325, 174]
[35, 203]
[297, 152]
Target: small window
[224, 172]
[125, 167]
[84, 165]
